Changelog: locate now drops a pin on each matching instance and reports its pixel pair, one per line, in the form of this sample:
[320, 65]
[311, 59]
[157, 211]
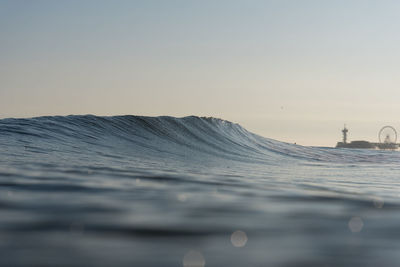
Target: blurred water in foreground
[164, 191]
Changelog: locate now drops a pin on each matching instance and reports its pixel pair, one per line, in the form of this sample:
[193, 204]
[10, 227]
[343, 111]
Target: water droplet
[182, 197]
[356, 224]
[193, 258]
[239, 239]
[378, 202]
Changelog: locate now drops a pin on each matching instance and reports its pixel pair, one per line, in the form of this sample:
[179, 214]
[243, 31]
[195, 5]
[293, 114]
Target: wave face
[146, 191]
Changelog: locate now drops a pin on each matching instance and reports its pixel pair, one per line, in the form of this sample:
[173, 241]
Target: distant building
[362, 144]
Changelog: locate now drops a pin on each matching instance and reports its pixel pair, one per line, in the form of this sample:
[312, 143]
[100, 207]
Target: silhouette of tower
[344, 131]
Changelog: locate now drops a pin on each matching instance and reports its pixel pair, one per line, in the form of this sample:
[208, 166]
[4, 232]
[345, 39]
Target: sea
[192, 191]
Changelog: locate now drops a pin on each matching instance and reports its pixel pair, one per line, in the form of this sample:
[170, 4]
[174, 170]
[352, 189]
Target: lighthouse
[344, 131]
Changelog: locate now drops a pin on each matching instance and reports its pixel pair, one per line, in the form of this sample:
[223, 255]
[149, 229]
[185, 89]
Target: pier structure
[387, 140]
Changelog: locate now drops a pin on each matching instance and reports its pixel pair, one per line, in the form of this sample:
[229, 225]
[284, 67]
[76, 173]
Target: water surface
[165, 191]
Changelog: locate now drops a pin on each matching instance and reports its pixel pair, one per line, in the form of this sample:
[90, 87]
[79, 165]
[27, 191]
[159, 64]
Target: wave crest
[187, 138]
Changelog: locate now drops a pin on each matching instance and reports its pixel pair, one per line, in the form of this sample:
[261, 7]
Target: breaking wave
[183, 138]
[162, 191]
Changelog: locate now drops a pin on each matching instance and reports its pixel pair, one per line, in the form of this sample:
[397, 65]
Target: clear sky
[290, 70]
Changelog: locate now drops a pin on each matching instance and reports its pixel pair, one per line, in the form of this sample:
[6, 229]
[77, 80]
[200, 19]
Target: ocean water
[165, 191]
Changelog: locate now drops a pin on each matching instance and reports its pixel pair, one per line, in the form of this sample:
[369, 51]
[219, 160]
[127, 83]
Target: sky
[294, 71]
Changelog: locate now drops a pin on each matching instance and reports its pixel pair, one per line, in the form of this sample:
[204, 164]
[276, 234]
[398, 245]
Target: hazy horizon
[288, 70]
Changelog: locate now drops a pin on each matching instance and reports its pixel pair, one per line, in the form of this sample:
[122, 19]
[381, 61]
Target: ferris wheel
[387, 135]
